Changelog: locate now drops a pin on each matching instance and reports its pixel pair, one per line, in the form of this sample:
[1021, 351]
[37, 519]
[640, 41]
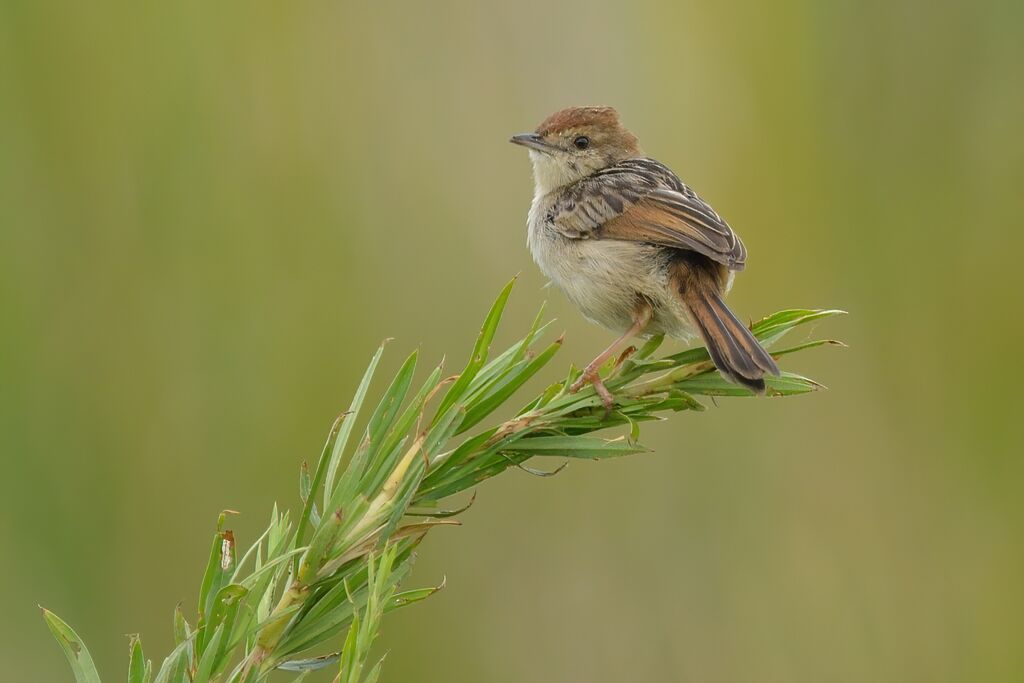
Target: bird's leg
[592, 373]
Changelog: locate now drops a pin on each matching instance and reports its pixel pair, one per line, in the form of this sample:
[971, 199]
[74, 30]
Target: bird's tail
[735, 351]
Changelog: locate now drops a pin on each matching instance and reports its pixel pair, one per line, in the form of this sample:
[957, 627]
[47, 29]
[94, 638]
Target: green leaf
[348, 672]
[255, 550]
[73, 647]
[649, 347]
[219, 569]
[138, 671]
[545, 398]
[482, 468]
[310, 663]
[255, 579]
[206, 662]
[174, 666]
[326, 536]
[391, 402]
[374, 674]
[442, 514]
[225, 606]
[689, 356]
[773, 327]
[443, 430]
[335, 608]
[308, 486]
[575, 447]
[678, 400]
[808, 345]
[536, 329]
[305, 481]
[446, 467]
[412, 596]
[768, 331]
[379, 469]
[182, 631]
[352, 479]
[713, 384]
[403, 497]
[504, 388]
[365, 627]
[480, 350]
[510, 356]
[338, 449]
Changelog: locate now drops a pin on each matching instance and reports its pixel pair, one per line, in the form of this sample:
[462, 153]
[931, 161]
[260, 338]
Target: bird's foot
[592, 377]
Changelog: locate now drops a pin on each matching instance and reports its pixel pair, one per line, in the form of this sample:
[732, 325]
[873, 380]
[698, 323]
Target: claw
[594, 379]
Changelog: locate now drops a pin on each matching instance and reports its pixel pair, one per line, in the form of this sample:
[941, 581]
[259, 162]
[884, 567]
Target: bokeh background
[210, 214]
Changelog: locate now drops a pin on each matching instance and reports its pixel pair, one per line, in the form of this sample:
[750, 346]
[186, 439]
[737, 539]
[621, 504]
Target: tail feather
[742, 335]
[733, 348]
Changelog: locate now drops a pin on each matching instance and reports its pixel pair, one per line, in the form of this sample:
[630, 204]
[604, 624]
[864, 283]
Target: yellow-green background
[210, 213]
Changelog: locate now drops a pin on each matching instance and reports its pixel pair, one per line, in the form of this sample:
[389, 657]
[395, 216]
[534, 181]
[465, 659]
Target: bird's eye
[582, 142]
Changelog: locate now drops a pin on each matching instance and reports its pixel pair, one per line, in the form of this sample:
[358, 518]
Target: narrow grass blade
[713, 384]
[480, 350]
[381, 467]
[338, 450]
[219, 570]
[808, 345]
[772, 328]
[352, 479]
[209, 658]
[649, 347]
[182, 630]
[593, 448]
[412, 596]
[73, 647]
[505, 387]
[374, 674]
[511, 355]
[138, 671]
[310, 663]
[174, 666]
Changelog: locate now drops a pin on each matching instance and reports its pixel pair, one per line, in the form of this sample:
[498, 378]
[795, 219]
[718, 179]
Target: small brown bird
[632, 246]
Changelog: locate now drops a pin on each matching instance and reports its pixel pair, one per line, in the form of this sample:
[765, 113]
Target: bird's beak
[532, 141]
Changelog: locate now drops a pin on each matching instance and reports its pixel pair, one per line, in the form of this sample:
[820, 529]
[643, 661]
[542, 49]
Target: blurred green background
[210, 213]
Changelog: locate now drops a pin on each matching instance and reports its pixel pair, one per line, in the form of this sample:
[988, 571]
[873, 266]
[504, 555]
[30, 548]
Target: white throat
[551, 173]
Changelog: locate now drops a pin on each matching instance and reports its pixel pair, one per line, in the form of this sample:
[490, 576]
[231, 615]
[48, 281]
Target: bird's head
[574, 143]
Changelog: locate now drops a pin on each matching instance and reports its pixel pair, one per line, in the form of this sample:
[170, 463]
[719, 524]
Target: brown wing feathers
[641, 200]
[651, 220]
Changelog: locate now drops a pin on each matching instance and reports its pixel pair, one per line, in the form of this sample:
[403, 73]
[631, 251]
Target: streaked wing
[672, 219]
[641, 200]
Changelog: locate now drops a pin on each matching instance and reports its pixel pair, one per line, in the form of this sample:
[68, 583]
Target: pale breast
[604, 278]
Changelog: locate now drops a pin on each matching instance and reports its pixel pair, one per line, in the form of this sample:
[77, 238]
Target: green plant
[336, 568]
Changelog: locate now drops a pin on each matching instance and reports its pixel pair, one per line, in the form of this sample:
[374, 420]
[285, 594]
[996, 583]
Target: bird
[632, 246]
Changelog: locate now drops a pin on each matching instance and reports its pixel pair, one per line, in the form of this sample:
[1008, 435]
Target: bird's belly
[608, 279]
